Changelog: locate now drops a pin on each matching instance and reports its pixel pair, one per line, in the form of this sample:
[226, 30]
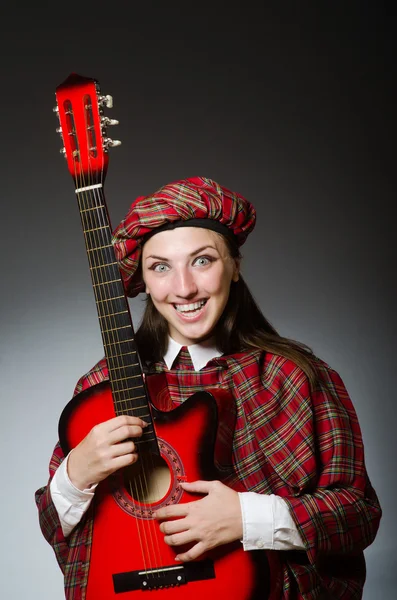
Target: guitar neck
[80, 106]
[125, 372]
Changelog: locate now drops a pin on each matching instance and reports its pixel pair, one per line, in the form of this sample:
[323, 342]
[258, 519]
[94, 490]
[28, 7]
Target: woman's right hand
[104, 450]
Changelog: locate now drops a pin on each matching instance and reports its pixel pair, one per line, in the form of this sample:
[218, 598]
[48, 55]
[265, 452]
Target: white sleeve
[70, 502]
[267, 523]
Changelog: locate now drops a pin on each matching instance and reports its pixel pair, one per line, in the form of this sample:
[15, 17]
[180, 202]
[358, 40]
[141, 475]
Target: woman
[297, 446]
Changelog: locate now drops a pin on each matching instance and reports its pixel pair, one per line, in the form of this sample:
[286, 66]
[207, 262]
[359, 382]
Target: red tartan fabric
[304, 446]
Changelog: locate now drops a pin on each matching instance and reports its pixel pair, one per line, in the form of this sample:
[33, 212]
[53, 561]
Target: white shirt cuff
[70, 502]
[267, 523]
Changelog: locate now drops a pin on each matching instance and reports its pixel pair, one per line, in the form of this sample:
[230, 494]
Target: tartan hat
[196, 201]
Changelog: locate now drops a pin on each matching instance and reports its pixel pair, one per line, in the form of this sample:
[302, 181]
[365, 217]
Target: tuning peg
[63, 152]
[109, 143]
[105, 121]
[59, 130]
[106, 101]
[56, 110]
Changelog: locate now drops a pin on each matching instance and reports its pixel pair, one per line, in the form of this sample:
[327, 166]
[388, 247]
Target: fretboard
[125, 371]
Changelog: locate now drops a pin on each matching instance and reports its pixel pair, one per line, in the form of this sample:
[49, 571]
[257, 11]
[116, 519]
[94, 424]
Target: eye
[159, 267]
[203, 261]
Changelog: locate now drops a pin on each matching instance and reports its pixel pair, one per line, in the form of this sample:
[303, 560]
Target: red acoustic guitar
[128, 553]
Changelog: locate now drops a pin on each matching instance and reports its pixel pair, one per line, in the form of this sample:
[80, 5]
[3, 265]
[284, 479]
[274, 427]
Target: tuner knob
[106, 121]
[56, 109]
[109, 143]
[58, 129]
[63, 151]
[106, 101]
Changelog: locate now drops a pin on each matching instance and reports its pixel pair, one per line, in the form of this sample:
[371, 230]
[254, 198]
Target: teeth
[187, 307]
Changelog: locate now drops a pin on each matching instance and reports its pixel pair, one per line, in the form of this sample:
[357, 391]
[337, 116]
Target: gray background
[290, 105]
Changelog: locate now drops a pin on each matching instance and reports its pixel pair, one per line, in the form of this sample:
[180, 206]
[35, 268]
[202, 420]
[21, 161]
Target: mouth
[190, 310]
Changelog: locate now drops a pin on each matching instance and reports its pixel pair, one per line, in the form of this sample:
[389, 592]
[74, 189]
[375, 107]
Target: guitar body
[128, 549]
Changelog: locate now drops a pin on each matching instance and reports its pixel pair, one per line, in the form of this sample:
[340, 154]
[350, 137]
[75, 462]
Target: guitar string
[137, 481]
[87, 218]
[113, 321]
[109, 321]
[141, 491]
[117, 365]
[84, 202]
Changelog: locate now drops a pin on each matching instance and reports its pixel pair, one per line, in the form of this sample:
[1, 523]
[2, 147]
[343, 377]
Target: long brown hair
[242, 326]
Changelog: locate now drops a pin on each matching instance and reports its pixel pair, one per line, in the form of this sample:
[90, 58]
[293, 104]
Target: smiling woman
[260, 490]
[187, 273]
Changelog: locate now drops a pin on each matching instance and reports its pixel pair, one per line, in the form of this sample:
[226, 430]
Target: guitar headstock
[80, 108]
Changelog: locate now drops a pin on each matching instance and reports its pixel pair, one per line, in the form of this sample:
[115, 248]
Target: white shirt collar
[199, 353]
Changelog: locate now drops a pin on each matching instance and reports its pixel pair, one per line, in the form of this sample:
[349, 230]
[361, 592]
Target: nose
[184, 283]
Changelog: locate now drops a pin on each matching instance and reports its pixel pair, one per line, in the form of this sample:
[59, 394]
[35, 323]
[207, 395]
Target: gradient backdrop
[290, 105]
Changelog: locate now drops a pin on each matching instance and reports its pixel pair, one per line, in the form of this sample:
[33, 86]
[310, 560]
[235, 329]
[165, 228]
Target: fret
[120, 342]
[118, 335]
[104, 276]
[105, 260]
[107, 282]
[115, 328]
[91, 213]
[129, 399]
[127, 410]
[111, 323]
[103, 265]
[109, 333]
[102, 294]
[99, 248]
[127, 389]
[114, 314]
[104, 308]
[123, 354]
[92, 198]
[129, 373]
[100, 278]
[109, 299]
[102, 256]
[128, 366]
[116, 364]
[83, 210]
[95, 229]
[125, 372]
[126, 379]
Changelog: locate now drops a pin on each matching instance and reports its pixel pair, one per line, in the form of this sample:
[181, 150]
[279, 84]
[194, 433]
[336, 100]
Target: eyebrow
[190, 255]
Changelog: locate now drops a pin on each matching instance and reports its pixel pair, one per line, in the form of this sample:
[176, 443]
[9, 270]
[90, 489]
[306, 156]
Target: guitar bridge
[163, 577]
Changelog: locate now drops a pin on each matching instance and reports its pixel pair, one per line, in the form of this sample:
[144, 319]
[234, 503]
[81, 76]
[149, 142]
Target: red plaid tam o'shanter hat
[195, 202]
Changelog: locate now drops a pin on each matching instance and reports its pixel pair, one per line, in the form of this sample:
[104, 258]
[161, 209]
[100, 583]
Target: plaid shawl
[304, 446]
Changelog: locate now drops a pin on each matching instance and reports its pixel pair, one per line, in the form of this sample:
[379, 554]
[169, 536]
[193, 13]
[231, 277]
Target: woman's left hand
[211, 521]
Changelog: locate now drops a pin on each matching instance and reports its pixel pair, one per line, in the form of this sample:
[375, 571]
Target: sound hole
[148, 480]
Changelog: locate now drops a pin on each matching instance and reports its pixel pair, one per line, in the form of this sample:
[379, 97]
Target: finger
[123, 420]
[123, 448]
[198, 487]
[191, 554]
[169, 512]
[178, 539]
[174, 526]
[124, 433]
[123, 461]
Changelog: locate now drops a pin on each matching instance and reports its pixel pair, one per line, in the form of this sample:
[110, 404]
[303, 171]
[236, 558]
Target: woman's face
[187, 272]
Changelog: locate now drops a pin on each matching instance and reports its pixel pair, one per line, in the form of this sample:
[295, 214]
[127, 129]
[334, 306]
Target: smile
[190, 308]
